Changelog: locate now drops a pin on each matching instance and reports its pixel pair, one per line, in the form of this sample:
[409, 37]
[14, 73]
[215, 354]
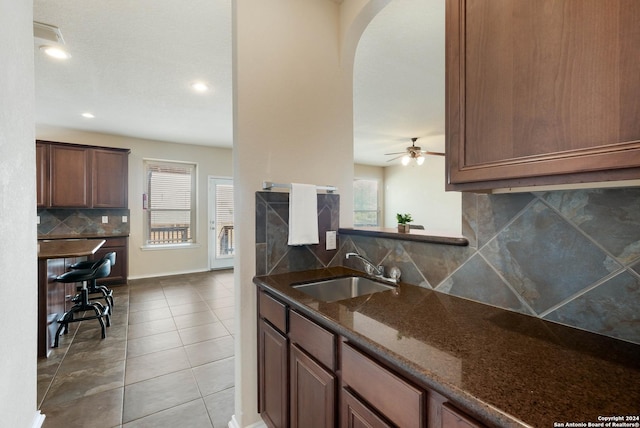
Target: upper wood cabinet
[42, 174]
[109, 178]
[542, 92]
[69, 174]
[76, 176]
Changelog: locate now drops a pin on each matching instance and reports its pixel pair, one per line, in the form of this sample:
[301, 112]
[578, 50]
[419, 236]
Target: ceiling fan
[413, 152]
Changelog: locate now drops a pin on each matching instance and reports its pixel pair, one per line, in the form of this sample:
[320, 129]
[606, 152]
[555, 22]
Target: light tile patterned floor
[167, 360]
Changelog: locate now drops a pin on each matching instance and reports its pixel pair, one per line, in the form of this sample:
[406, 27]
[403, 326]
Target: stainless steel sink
[331, 290]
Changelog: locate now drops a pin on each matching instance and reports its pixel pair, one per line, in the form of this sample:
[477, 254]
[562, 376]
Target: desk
[54, 258]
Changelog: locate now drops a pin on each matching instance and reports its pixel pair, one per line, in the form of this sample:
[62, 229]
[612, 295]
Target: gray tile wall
[273, 255]
[571, 257]
[63, 222]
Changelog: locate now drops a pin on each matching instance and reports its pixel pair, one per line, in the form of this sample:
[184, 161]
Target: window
[365, 202]
[170, 205]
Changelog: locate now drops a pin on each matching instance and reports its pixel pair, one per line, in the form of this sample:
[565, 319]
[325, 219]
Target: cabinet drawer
[399, 401]
[454, 418]
[318, 342]
[273, 311]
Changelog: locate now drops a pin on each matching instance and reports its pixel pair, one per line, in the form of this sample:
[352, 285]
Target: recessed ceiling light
[55, 52]
[88, 115]
[199, 86]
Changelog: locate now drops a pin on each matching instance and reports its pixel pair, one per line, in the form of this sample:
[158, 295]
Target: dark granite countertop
[506, 368]
[63, 248]
[80, 236]
[417, 235]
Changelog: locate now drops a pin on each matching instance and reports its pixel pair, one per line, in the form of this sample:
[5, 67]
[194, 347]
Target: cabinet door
[42, 174]
[454, 418]
[109, 178]
[272, 376]
[120, 270]
[542, 92]
[356, 414]
[69, 174]
[312, 392]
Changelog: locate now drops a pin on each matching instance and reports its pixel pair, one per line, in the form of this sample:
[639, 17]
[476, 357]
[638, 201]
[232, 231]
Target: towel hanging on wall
[303, 214]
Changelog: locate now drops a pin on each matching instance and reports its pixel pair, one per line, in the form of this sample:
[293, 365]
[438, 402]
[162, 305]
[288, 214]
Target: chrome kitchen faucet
[377, 271]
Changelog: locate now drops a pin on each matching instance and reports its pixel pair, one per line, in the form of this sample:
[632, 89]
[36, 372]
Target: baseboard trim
[38, 420]
[233, 423]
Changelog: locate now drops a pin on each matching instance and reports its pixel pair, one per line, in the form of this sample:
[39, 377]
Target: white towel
[303, 214]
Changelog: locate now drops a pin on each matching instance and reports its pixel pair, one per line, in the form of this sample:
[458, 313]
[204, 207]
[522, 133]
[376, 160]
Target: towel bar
[268, 185]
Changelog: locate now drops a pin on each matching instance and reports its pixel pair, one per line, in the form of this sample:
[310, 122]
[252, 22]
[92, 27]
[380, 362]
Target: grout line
[582, 292]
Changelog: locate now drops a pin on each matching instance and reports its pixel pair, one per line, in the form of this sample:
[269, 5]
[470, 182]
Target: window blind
[171, 202]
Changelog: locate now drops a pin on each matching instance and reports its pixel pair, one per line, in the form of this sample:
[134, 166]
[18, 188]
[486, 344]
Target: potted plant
[403, 222]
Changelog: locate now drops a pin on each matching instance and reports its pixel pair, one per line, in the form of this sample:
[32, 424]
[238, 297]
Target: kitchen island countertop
[507, 369]
[64, 248]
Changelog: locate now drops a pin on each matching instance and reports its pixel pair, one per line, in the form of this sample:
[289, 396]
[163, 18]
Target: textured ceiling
[133, 62]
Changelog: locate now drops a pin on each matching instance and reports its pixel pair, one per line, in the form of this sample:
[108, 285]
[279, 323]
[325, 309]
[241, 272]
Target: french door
[221, 236]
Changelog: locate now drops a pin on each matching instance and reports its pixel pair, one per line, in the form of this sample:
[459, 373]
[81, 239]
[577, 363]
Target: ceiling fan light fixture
[414, 153]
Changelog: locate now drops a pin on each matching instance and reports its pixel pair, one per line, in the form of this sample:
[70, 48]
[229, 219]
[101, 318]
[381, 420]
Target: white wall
[210, 161]
[293, 122]
[18, 252]
[419, 190]
[368, 171]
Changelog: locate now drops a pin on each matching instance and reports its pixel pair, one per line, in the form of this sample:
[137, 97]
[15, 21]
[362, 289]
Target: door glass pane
[224, 221]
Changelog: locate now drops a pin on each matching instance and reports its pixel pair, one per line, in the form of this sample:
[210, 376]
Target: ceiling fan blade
[433, 153]
[392, 159]
[394, 153]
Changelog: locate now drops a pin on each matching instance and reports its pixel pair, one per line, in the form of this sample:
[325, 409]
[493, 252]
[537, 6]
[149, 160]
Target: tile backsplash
[82, 222]
[571, 257]
[273, 255]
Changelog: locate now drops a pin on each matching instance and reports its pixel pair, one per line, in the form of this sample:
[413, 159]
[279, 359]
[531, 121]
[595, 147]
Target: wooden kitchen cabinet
[69, 174]
[42, 175]
[296, 358]
[119, 271]
[273, 368]
[356, 414]
[443, 414]
[454, 418]
[109, 178]
[541, 92]
[312, 392]
[54, 299]
[76, 176]
[310, 377]
[273, 362]
[388, 394]
[313, 383]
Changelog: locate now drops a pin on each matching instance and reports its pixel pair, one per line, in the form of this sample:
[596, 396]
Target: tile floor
[167, 360]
